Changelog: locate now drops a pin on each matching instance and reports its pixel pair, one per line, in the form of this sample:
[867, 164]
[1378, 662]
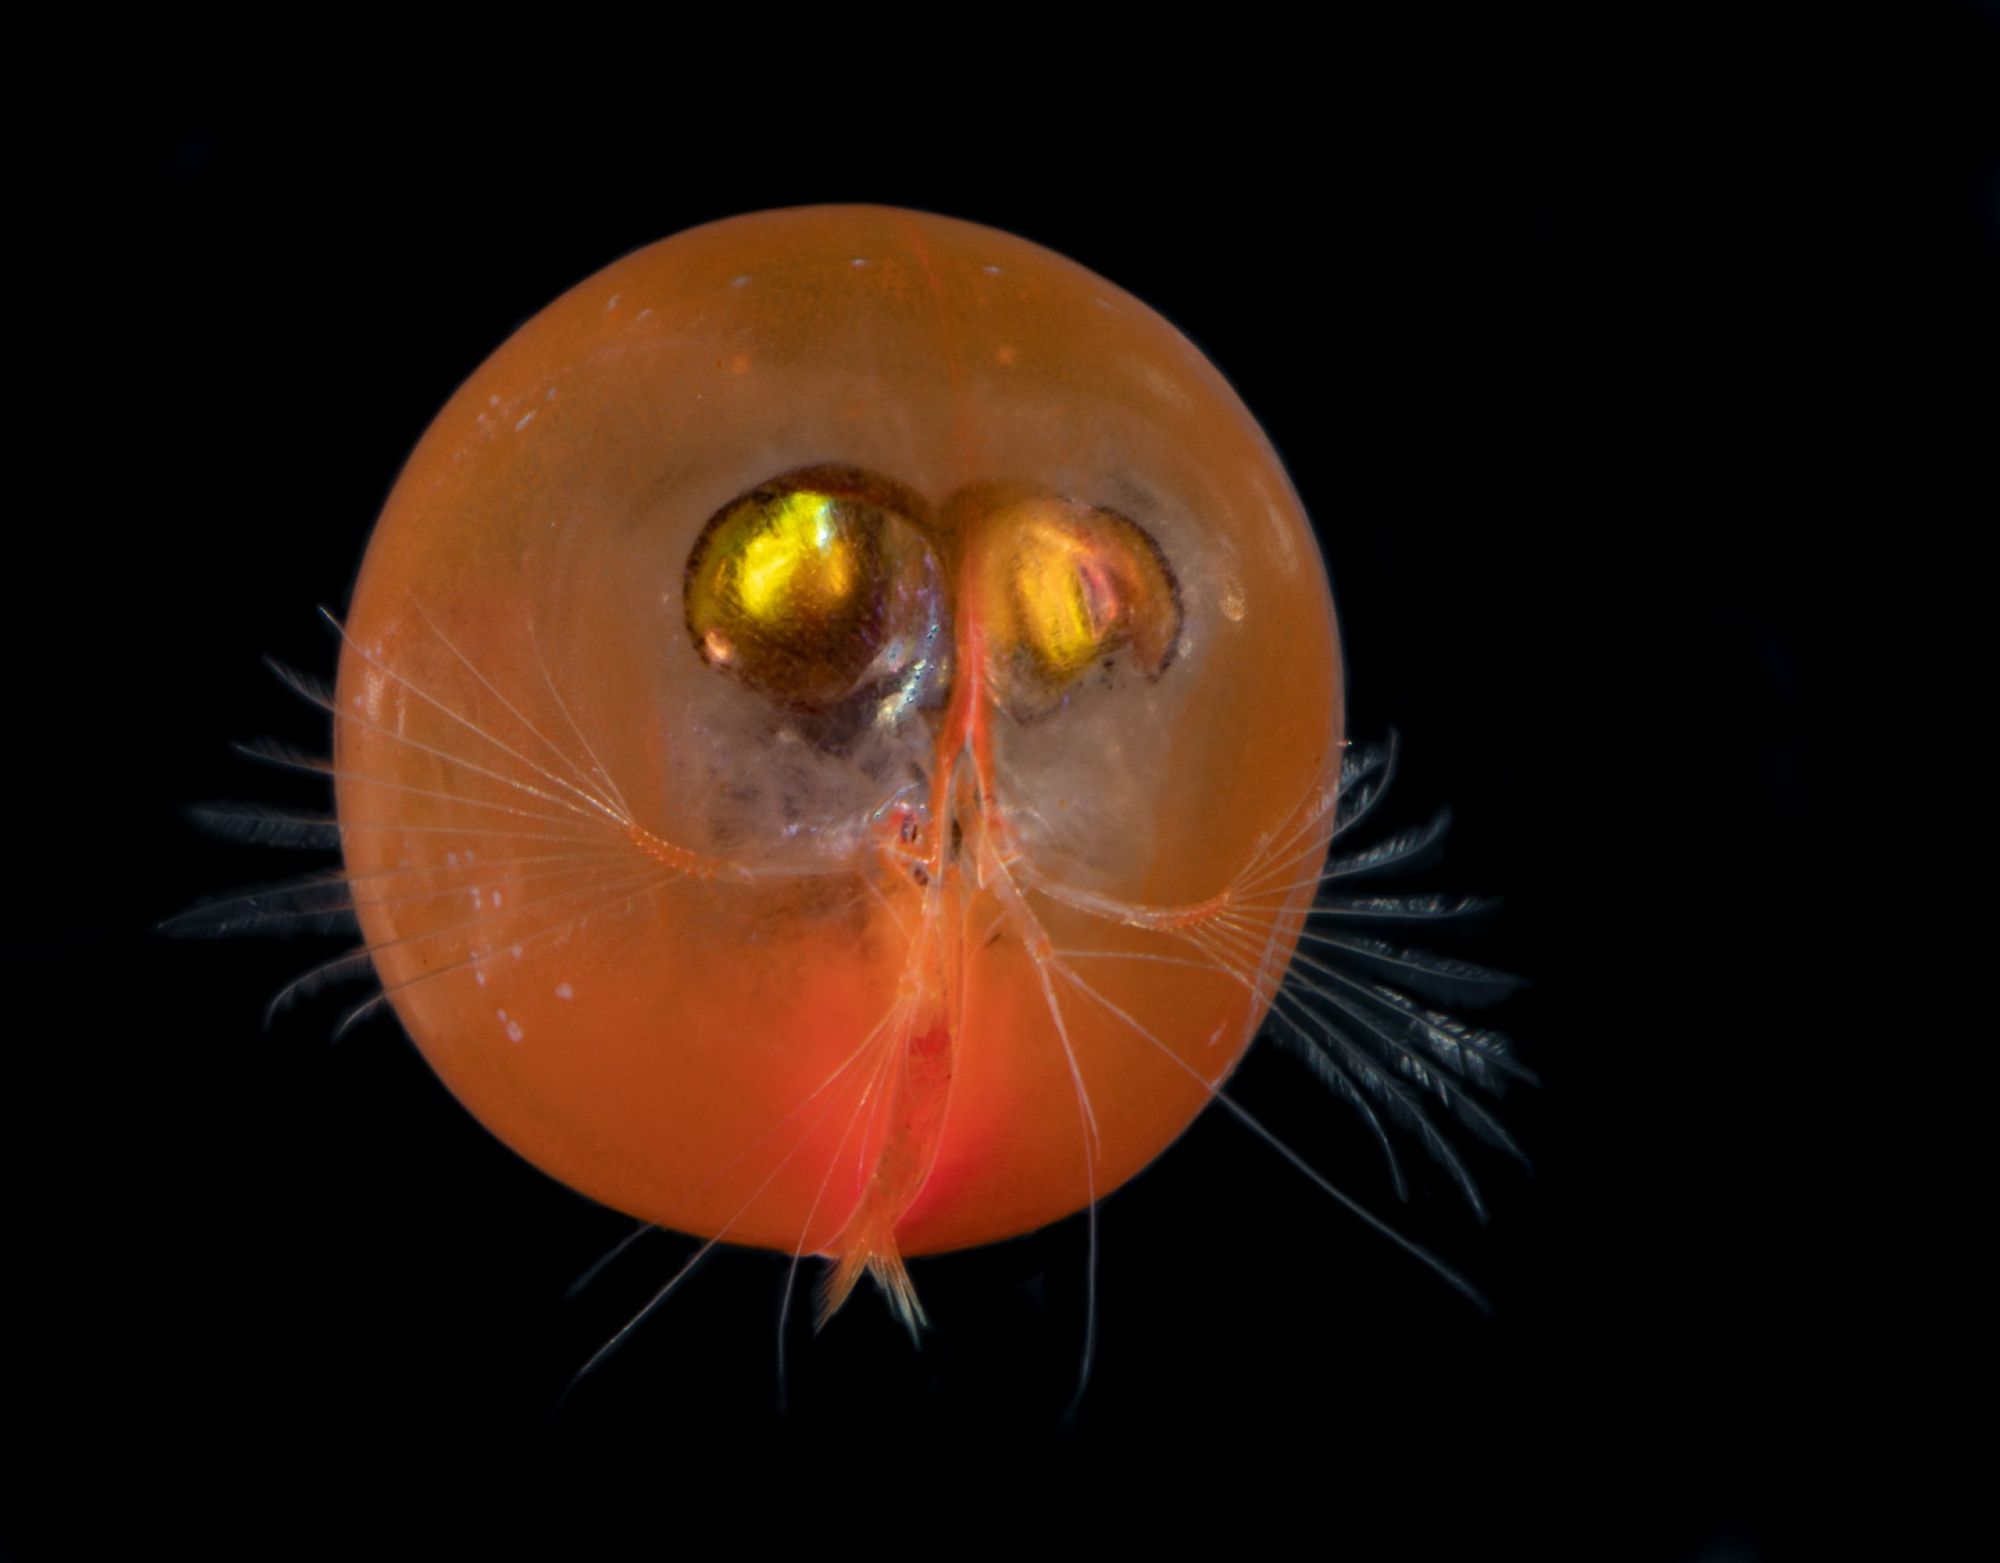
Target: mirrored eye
[817, 586]
[1065, 587]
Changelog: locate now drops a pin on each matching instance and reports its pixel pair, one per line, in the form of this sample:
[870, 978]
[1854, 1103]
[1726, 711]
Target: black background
[1549, 372]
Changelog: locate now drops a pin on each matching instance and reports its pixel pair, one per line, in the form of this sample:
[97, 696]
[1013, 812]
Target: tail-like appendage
[876, 1255]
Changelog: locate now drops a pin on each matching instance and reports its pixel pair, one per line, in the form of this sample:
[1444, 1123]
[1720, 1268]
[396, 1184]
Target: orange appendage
[682, 861]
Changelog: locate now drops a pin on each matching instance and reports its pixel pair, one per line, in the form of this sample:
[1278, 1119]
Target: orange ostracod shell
[837, 723]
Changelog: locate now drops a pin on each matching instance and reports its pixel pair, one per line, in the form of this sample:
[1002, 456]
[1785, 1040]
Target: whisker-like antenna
[562, 705]
[1307, 839]
[1318, 1037]
[1404, 852]
[1447, 1047]
[1442, 977]
[1365, 775]
[449, 758]
[636, 870]
[658, 1298]
[624, 1331]
[640, 883]
[848, 1063]
[1370, 1043]
[1342, 1085]
[252, 825]
[1250, 1121]
[331, 893]
[1475, 1053]
[1041, 950]
[607, 1259]
[287, 758]
[1416, 1251]
[588, 785]
[1430, 910]
[588, 798]
[1323, 817]
[1324, 1034]
[312, 896]
[1090, 1154]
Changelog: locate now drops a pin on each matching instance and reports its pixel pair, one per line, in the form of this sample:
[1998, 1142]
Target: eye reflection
[1065, 587]
[816, 589]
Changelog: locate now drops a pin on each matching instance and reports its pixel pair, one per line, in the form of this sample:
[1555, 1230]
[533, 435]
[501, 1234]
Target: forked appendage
[872, 1253]
[899, 1140]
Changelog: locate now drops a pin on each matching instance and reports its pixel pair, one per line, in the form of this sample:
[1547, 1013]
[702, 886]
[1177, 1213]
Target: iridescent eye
[814, 586]
[1065, 587]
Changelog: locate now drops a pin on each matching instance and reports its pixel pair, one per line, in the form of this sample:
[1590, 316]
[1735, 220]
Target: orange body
[912, 991]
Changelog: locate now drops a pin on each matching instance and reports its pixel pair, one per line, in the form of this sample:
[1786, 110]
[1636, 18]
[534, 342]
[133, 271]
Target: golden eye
[813, 585]
[1064, 587]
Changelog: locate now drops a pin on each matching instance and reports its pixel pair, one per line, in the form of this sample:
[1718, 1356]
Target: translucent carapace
[838, 733]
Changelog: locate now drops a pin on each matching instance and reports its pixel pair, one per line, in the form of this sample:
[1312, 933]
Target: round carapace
[836, 729]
